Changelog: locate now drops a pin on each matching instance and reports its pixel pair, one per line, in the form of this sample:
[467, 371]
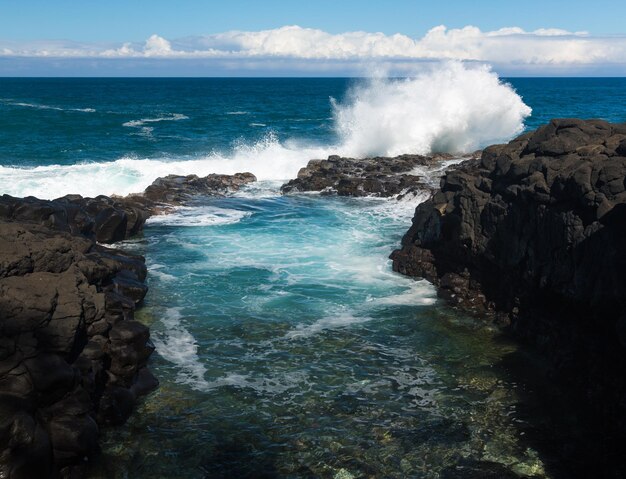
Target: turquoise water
[286, 346]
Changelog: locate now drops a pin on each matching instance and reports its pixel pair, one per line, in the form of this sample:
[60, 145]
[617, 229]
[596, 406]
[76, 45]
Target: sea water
[286, 346]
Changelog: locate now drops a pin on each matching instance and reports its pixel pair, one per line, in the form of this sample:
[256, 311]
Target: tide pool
[286, 347]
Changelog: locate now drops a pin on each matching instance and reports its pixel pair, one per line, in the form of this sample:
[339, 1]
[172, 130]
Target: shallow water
[286, 347]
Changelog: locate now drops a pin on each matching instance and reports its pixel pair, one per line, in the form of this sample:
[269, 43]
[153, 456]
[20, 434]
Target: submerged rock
[534, 234]
[380, 176]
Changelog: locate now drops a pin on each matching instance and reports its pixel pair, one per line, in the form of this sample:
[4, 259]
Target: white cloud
[157, 46]
[506, 46]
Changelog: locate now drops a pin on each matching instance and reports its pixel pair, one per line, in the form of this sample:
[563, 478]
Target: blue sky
[116, 20]
[161, 37]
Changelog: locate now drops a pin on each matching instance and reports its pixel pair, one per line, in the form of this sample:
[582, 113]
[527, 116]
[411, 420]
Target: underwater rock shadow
[238, 458]
[552, 421]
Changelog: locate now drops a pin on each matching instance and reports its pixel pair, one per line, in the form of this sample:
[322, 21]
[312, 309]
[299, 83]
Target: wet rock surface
[103, 219]
[534, 235]
[68, 363]
[176, 190]
[380, 176]
[111, 219]
[72, 357]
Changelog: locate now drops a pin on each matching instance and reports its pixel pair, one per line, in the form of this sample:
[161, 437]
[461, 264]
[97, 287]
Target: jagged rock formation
[111, 219]
[380, 176]
[176, 190]
[534, 234]
[72, 358]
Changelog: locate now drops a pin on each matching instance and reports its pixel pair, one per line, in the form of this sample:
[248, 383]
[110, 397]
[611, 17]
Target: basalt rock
[534, 235]
[103, 219]
[72, 357]
[111, 219]
[379, 176]
[176, 190]
[66, 348]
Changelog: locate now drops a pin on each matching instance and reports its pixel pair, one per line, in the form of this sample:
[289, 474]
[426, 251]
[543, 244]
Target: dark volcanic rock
[534, 234]
[108, 220]
[380, 176]
[72, 358]
[64, 349]
[175, 190]
[104, 219]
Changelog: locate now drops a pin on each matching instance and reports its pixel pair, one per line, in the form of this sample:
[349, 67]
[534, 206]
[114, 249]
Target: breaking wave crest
[449, 109]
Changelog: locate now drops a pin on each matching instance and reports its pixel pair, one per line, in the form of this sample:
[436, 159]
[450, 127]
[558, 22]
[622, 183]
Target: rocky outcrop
[176, 190]
[72, 357]
[534, 235]
[380, 176]
[111, 219]
[104, 219]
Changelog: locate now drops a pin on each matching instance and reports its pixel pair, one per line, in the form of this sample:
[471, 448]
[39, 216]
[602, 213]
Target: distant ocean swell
[449, 109]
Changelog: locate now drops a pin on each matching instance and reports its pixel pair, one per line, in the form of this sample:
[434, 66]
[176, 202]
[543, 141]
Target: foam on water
[268, 159]
[340, 320]
[39, 106]
[450, 109]
[143, 121]
[177, 345]
[419, 293]
[155, 269]
[270, 385]
[198, 216]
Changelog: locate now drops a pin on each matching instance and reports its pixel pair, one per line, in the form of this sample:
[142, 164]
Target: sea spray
[267, 158]
[451, 109]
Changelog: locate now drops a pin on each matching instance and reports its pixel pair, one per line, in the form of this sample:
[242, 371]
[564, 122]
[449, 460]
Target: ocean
[286, 346]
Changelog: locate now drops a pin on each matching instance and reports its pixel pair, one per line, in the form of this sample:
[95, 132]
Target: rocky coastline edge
[72, 357]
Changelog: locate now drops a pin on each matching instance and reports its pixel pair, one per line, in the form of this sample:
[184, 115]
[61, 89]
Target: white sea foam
[419, 293]
[452, 108]
[156, 270]
[178, 346]
[199, 216]
[337, 321]
[39, 106]
[237, 113]
[268, 159]
[143, 121]
[449, 109]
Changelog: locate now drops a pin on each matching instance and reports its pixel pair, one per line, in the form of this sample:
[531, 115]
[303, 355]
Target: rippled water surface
[286, 347]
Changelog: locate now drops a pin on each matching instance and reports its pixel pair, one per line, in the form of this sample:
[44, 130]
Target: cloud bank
[542, 49]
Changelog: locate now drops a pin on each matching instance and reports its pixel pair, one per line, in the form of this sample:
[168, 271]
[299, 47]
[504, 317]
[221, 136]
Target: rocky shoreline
[72, 357]
[530, 234]
[400, 176]
[533, 235]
